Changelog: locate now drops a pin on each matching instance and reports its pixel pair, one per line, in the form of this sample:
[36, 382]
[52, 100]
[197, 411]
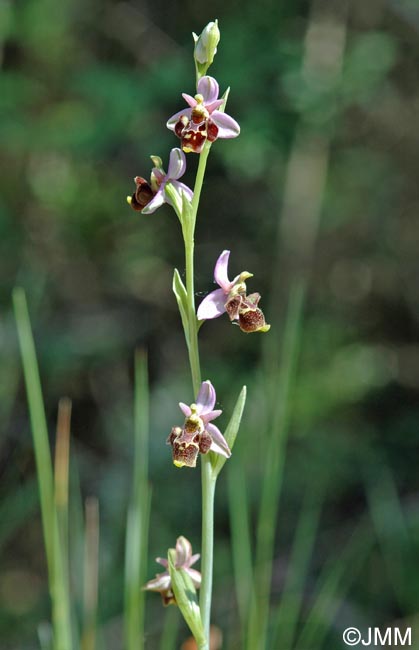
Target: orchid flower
[198, 434]
[214, 304]
[150, 196]
[202, 121]
[231, 298]
[184, 560]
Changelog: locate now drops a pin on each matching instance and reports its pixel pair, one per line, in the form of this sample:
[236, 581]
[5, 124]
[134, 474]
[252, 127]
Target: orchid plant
[198, 126]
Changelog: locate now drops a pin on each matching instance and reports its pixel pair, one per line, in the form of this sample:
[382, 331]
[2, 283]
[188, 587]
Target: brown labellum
[185, 453]
[143, 194]
[251, 320]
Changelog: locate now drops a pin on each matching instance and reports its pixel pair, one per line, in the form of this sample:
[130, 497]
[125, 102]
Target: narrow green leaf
[240, 541]
[390, 525]
[38, 420]
[289, 610]
[138, 513]
[54, 546]
[186, 599]
[230, 432]
[282, 381]
[225, 97]
[182, 300]
[332, 586]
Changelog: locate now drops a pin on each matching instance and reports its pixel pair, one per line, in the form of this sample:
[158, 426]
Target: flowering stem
[192, 339]
[208, 492]
[208, 480]
[189, 238]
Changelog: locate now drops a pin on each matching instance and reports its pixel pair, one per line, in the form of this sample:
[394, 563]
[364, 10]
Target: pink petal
[227, 127]
[206, 398]
[160, 583]
[195, 576]
[208, 88]
[219, 443]
[212, 306]
[155, 202]
[211, 107]
[185, 409]
[220, 272]
[181, 187]
[211, 416]
[189, 100]
[163, 561]
[172, 121]
[194, 558]
[183, 551]
[177, 164]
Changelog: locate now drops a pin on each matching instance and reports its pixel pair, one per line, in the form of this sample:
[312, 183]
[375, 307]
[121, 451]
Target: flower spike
[198, 434]
[202, 121]
[231, 297]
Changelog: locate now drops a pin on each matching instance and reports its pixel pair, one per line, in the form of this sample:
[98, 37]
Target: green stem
[208, 481]
[192, 339]
[189, 239]
[208, 493]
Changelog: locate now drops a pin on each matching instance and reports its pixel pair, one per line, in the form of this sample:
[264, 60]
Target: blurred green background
[320, 191]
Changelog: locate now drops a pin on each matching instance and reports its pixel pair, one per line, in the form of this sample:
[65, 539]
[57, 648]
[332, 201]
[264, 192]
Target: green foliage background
[85, 91]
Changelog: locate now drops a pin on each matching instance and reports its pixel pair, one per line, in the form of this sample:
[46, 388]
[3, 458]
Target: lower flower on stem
[149, 196]
[198, 434]
[184, 560]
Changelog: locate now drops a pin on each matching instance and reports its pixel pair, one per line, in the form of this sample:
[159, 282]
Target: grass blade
[272, 476]
[58, 585]
[138, 513]
[240, 538]
[286, 619]
[334, 582]
[391, 529]
[91, 574]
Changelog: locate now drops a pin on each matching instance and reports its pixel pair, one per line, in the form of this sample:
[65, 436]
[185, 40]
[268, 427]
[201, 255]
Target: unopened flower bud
[206, 48]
